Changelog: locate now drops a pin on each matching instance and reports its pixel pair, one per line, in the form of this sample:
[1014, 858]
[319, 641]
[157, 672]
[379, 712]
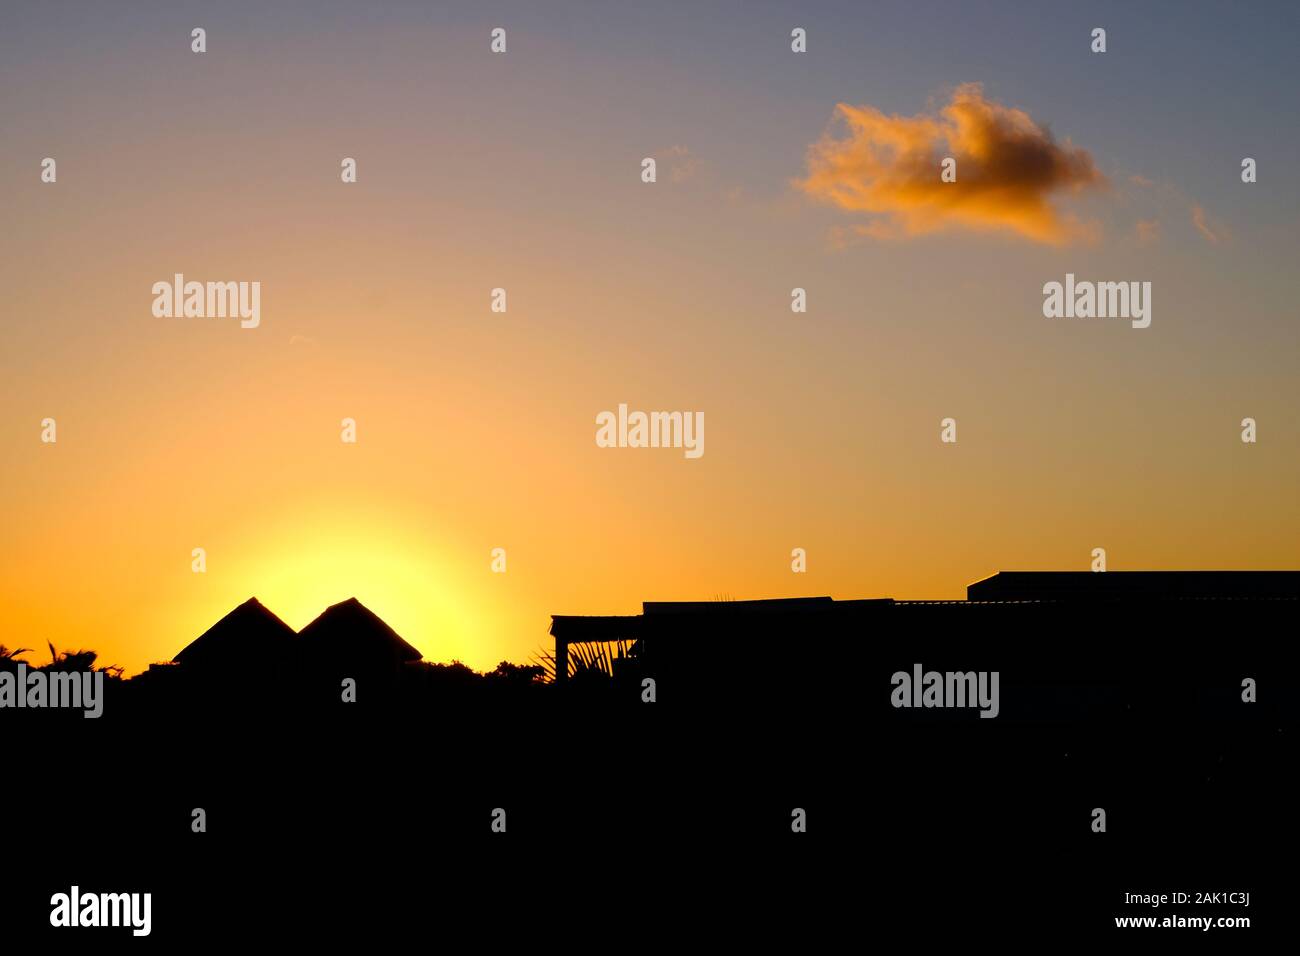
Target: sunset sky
[523, 171]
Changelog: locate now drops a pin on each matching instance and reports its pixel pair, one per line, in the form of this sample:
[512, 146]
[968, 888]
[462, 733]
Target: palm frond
[587, 658]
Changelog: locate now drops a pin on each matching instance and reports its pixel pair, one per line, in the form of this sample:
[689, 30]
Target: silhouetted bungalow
[247, 637]
[349, 638]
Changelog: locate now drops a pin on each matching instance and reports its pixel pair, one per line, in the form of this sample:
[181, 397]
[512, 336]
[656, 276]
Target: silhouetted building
[346, 641]
[349, 640]
[1136, 586]
[781, 631]
[248, 636]
[1067, 645]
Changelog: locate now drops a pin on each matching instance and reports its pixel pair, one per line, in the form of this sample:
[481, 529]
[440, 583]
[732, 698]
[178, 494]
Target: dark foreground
[672, 821]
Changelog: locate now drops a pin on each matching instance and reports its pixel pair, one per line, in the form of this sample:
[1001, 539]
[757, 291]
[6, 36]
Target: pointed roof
[247, 634]
[350, 630]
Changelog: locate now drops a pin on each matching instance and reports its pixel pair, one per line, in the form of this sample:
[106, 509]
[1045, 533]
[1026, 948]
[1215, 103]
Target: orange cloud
[1009, 168]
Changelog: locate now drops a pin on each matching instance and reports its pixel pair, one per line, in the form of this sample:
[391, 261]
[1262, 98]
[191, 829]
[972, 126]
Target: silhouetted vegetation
[82, 660]
[61, 662]
[7, 655]
[590, 661]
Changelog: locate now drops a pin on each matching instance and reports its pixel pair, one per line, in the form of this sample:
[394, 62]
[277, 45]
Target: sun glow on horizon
[406, 581]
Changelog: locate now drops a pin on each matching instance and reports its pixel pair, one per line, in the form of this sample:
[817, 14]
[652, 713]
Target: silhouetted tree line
[254, 683]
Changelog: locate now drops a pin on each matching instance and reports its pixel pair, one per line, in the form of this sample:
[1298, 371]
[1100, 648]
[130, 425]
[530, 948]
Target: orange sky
[476, 430]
